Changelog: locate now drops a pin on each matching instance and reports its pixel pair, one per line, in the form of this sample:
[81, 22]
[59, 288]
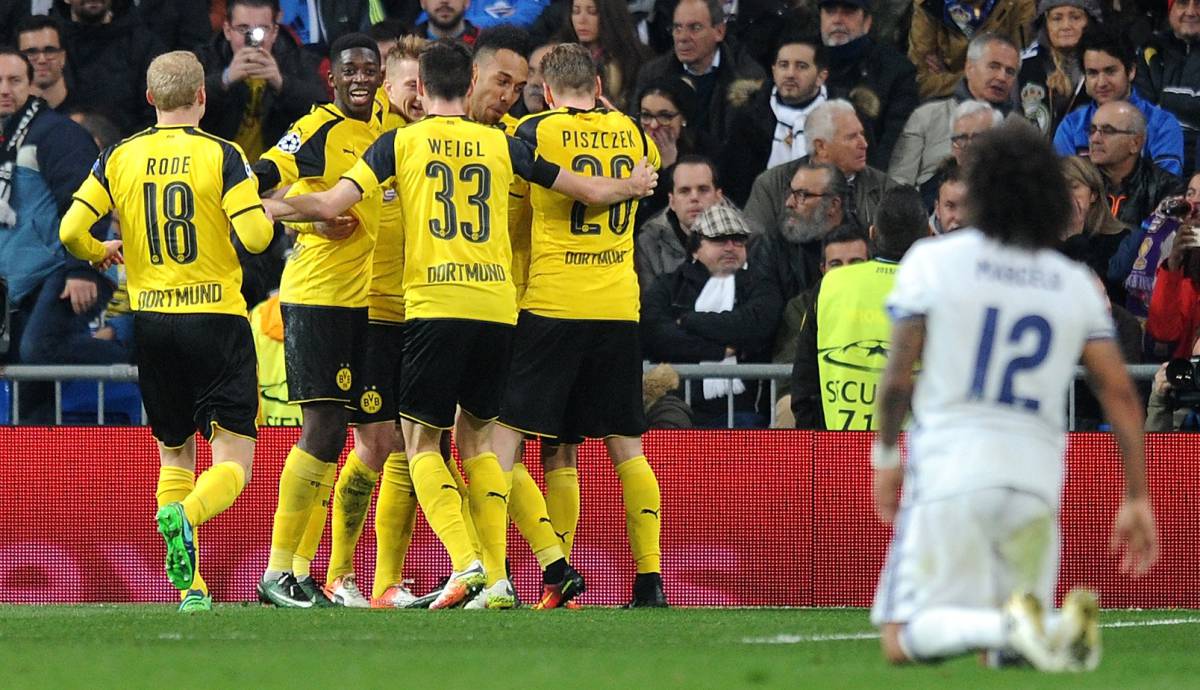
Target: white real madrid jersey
[1004, 330]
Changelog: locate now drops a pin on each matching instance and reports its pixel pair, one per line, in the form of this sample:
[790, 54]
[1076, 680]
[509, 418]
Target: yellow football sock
[351, 498]
[216, 489]
[465, 496]
[174, 484]
[527, 508]
[298, 485]
[489, 489]
[395, 516]
[306, 550]
[562, 505]
[639, 488]
[442, 506]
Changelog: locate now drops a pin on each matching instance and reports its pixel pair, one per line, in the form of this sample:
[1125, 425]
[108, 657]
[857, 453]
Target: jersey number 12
[1015, 363]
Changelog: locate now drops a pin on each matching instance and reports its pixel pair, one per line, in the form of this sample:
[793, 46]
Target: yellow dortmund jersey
[176, 190]
[452, 176]
[385, 298]
[581, 264]
[310, 157]
[520, 220]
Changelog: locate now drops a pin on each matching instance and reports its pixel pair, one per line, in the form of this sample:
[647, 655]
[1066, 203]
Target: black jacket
[1140, 193]
[1040, 105]
[673, 331]
[107, 67]
[781, 271]
[1169, 77]
[179, 24]
[748, 147]
[882, 85]
[302, 88]
[734, 65]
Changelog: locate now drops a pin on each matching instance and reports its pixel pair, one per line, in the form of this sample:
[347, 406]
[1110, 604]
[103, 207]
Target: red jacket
[1174, 311]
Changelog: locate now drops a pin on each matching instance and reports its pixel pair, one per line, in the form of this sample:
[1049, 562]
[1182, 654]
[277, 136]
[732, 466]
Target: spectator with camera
[257, 78]
[1174, 314]
[1175, 395]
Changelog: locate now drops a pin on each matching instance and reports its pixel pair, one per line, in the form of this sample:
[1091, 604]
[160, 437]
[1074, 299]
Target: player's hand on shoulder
[643, 179]
[339, 228]
[1135, 537]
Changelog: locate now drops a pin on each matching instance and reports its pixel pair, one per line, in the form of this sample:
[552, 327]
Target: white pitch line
[801, 639]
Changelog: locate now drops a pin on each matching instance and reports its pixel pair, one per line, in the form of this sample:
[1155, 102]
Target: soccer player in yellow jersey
[178, 191]
[499, 74]
[452, 176]
[324, 297]
[378, 452]
[583, 298]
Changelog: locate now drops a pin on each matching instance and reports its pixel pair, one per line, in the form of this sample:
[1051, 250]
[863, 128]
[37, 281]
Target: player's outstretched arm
[894, 401]
[75, 232]
[600, 191]
[325, 205]
[1134, 532]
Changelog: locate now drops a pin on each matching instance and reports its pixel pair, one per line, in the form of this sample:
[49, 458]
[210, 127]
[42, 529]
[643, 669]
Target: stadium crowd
[792, 136]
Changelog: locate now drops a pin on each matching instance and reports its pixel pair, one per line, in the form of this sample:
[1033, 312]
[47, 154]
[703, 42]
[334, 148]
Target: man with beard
[768, 129]
[875, 77]
[786, 257]
[847, 322]
[446, 20]
[324, 298]
[109, 54]
[950, 209]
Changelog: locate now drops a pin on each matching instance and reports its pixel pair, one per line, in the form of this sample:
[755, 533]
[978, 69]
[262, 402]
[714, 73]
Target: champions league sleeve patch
[290, 143]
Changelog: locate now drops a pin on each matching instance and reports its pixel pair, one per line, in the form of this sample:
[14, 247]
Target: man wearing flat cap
[703, 312]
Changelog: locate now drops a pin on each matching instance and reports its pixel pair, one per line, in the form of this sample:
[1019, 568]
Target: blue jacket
[52, 162]
[1164, 136]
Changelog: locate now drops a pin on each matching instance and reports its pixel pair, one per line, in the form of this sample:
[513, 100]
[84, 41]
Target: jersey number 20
[1040, 327]
[179, 206]
[618, 213]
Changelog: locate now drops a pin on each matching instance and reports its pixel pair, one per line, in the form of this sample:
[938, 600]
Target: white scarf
[789, 143]
[717, 296]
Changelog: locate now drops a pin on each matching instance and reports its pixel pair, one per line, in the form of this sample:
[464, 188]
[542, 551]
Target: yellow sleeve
[246, 213]
[363, 177]
[90, 203]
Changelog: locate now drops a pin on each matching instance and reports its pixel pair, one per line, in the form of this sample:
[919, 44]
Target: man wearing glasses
[258, 81]
[702, 56]
[1135, 186]
[39, 41]
[1109, 68]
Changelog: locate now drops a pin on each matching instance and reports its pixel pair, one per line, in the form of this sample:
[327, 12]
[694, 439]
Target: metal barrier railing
[687, 373]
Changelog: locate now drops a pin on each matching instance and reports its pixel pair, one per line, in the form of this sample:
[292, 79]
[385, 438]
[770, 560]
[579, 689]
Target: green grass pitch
[252, 647]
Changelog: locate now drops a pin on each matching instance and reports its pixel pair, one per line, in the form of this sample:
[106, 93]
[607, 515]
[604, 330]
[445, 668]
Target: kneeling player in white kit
[996, 320]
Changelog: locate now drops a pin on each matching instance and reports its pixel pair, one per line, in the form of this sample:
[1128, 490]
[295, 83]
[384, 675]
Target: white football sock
[949, 631]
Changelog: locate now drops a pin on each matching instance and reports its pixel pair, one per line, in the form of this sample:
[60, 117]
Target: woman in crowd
[1095, 235]
[1051, 78]
[605, 28]
[663, 107]
[1175, 302]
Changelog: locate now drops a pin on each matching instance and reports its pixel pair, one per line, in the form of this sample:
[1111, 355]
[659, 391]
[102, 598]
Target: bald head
[1116, 135]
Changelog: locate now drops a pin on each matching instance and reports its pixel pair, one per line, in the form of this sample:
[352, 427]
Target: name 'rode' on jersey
[177, 189]
[311, 157]
[581, 264]
[1004, 330]
[452, 177]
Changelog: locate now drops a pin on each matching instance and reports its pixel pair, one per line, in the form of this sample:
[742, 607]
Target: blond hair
[407, 48]
[1098, 218]
[174, 79]
[569, 67]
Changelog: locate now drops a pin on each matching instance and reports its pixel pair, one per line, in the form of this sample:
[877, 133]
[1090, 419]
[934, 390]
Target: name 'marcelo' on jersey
[581, 257]
[310, 157]
[176, 191]
[1004, 330]
[452, 177]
